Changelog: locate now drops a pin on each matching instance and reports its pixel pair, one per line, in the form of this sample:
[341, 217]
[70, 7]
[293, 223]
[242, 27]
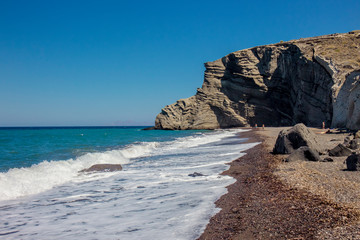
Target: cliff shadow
[277, 86]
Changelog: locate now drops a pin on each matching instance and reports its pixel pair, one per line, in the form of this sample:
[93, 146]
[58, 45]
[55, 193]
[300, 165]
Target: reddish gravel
[259, 206]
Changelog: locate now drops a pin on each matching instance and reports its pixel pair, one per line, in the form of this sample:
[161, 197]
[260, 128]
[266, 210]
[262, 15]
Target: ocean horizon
[60, 127]
[166, 190]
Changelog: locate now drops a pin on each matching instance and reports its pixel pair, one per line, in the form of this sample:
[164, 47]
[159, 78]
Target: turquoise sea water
[23, 147]
[44, 194]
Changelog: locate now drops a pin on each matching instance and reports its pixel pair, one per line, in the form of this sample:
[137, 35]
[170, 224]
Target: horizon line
[84, 126]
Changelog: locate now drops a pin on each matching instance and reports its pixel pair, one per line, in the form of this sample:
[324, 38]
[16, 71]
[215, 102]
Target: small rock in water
[149, 128]
[196, 174]
[103, 168]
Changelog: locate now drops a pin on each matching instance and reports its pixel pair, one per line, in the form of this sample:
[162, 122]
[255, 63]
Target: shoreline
[262, 205]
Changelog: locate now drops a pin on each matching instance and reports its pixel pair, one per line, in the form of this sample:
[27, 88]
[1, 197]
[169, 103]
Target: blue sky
[81, 63]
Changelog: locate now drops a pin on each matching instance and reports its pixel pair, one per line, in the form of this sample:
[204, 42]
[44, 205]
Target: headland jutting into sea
[307, 194]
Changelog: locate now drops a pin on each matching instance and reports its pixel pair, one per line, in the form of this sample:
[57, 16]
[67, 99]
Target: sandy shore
[272, 199]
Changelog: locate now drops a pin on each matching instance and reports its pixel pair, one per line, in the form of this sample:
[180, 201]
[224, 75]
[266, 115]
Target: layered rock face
[311, 81]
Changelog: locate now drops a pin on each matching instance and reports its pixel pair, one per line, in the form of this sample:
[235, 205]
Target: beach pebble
[335, 140]
[327, 159]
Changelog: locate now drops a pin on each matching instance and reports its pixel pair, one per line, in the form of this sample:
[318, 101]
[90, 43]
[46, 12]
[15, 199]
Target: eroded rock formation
[311, 80]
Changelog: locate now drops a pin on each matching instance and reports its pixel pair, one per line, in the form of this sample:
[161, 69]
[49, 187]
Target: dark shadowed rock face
[340, 150]
[103, 168]
[304, 154]
[298, 136]
[306, 80]
[354, 144]
[353, 162]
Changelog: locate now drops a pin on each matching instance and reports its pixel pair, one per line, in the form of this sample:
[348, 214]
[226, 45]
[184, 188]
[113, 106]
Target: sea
[166, 189]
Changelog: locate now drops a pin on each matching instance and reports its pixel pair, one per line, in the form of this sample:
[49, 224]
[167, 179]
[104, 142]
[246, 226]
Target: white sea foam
[152, 198]
[20, 182]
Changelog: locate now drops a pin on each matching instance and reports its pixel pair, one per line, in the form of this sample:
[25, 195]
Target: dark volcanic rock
[354, 144]
[340, 150]
[196, 174]
[327, 159]
[103, 168]
[347, 141]
[335, 140]
[304, 154]
[353, 162]
[290, 140]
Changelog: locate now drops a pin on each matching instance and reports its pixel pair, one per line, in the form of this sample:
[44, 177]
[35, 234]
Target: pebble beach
[272, 199]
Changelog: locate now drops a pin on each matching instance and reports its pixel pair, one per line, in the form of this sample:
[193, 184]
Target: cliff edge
[310, 80]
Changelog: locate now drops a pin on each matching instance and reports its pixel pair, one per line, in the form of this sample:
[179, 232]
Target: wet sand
[276, 200]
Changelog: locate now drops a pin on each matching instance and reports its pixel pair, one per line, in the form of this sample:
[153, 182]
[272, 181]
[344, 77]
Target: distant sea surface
[43, 194]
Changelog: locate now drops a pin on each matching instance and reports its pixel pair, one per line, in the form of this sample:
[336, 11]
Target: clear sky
[103, 62]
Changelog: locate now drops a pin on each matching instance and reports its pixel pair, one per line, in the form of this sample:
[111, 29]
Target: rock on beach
[304, 154]
[353, 162]
[340, 150]
[298, 136]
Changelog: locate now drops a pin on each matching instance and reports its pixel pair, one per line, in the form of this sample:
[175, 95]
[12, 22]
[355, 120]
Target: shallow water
[152, 198]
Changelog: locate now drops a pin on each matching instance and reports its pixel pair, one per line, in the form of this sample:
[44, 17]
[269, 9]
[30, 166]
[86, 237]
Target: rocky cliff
[311, 80]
